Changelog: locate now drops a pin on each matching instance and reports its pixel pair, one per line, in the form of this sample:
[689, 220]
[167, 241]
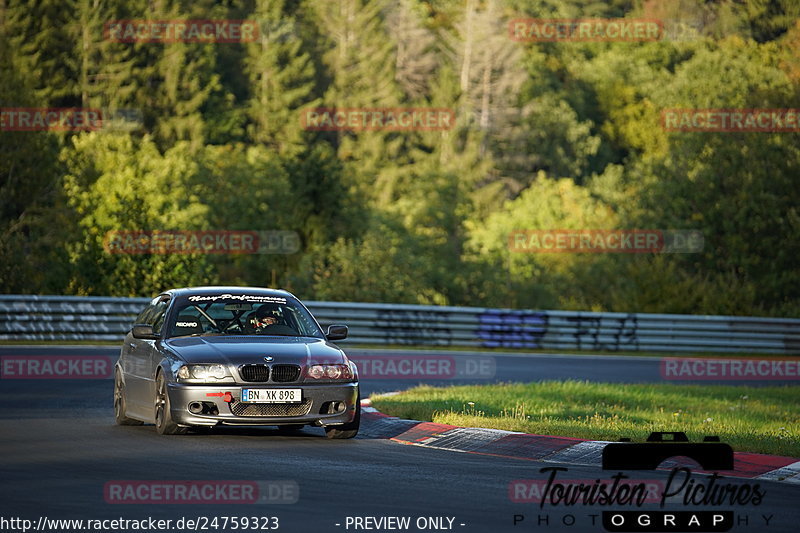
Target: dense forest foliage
[546, 135]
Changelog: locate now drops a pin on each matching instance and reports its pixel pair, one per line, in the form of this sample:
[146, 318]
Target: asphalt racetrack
[61, 451]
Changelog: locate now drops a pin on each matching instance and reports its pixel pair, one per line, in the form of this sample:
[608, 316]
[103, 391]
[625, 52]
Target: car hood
[253, 349]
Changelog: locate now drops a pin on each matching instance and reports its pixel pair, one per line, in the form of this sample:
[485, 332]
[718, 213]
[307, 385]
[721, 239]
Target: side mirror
[143, 331]
[336, 332]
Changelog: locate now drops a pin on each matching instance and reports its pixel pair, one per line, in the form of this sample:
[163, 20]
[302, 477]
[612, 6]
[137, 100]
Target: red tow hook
[227, 397]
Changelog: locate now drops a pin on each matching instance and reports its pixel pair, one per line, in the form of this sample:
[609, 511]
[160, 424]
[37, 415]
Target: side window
[158, 314]
[145, 317]
[142, 318]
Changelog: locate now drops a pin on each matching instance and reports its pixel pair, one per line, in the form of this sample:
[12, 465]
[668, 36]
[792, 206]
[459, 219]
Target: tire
[119, 404]
[346, 431]
[162, 415]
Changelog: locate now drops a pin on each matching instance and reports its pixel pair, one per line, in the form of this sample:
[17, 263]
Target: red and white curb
[563, 450]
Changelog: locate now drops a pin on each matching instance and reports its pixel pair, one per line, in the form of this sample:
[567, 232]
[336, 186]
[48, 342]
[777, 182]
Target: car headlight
[330, 372]
[204, 373]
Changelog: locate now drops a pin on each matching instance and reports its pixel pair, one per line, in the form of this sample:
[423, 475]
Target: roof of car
[192, 291]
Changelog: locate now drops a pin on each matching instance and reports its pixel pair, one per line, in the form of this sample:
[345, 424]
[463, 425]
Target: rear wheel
[346, 431]
[163, 416]
[119, 403]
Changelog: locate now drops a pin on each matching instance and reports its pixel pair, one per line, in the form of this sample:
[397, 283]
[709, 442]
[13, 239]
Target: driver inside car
[266, 315]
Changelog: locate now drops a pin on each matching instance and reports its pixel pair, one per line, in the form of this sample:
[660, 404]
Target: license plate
[271, 396]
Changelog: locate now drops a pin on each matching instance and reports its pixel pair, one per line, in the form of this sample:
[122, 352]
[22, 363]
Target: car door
[137, 363]
[154, 355]
[130, 359]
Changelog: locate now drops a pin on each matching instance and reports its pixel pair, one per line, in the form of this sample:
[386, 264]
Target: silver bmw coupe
[210, 356]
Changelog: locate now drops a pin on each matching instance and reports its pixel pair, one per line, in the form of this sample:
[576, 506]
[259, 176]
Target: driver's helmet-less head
[266, 315]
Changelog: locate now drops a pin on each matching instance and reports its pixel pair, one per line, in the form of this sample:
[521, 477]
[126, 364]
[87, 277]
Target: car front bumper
[319, 400]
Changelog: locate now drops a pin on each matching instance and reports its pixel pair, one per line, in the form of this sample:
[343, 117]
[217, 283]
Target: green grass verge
[751, 419]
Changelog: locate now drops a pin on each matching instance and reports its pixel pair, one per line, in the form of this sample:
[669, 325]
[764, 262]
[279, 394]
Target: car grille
[261, 373]
[254, 372]
[270, 409]
[285, 373]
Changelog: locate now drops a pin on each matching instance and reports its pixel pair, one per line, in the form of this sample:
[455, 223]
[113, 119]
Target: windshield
[235, 315]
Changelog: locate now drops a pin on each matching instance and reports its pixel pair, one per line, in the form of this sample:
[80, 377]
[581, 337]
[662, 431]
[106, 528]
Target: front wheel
[163, 416]
[119, 403]
[346, 431]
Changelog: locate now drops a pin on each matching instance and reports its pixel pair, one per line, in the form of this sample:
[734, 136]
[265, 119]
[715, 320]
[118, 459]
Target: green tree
[740, 189]
[282, 77]
[32, 225]
[117, 184]
[542, 280]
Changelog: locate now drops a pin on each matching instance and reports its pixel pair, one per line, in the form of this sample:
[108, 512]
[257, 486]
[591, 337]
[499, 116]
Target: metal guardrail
[102, 318]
